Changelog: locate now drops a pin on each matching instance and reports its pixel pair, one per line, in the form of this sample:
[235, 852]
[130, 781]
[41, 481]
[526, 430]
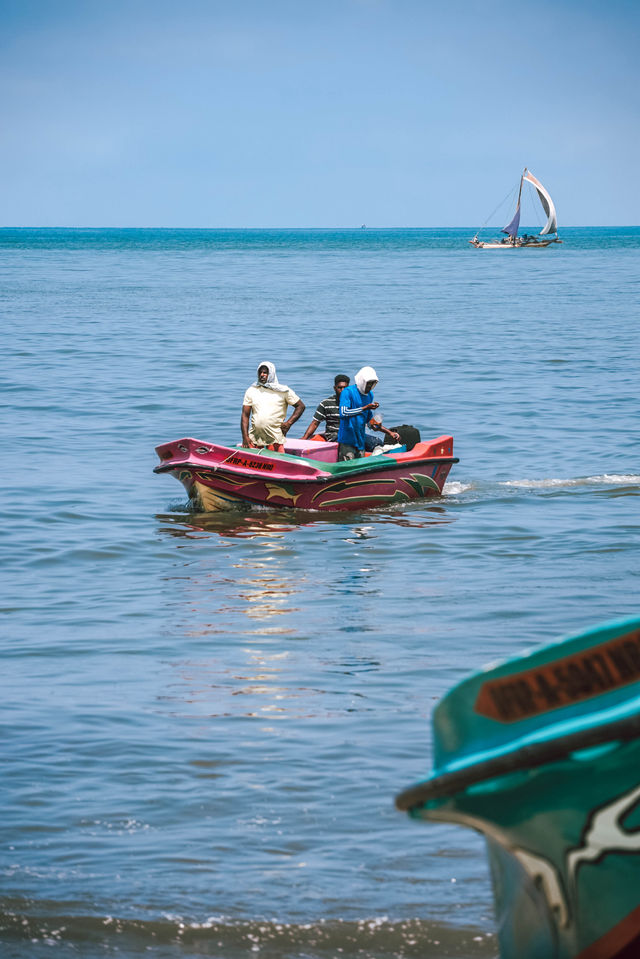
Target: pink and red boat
[306, 476]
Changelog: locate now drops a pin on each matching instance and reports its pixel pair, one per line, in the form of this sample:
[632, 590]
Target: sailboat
[512, 241]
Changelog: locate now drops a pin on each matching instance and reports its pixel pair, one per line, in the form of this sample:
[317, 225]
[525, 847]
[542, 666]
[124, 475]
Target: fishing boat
[542, 755]
[306, 475]
[548, 234]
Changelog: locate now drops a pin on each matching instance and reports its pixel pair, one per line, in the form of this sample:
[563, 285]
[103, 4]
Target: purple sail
[512, 228]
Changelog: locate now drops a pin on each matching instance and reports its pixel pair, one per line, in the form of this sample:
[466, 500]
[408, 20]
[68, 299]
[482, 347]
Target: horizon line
[362, 227]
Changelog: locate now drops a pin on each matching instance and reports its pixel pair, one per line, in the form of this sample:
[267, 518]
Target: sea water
[206, 719]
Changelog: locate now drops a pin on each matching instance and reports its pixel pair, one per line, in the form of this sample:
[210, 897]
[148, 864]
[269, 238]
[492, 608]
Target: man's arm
[318, 417]
[244, 426]
[346, 411]
[310, 430]
[375, 425]
[298, 410]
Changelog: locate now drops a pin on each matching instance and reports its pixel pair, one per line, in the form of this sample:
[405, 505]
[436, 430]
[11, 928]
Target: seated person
[266, 402]
[328, 412]
[371, 441]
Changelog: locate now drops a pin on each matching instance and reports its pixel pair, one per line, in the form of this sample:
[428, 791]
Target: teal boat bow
[542, 755]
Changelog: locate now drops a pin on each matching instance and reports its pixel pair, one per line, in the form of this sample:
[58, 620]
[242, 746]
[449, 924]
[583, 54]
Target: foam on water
[452, 488]
[607, 479]
[372, 937]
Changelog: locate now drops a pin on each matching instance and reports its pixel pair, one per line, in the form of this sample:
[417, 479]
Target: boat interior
[323, 452]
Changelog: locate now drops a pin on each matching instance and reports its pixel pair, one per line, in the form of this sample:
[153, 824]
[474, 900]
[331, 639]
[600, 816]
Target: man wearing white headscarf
[266, 402]
[356, 410]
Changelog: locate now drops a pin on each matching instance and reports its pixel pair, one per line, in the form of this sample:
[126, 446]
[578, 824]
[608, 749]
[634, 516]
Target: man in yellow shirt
[266, 402]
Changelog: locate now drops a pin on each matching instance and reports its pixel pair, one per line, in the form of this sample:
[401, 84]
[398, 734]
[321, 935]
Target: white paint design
[545, 875]
[605, 834]
[542, 872]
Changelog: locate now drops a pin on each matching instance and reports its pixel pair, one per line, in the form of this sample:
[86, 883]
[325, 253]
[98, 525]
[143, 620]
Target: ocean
[206, 719]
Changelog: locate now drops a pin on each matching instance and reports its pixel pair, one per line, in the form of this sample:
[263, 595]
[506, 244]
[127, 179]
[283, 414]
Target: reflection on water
[221, 592]
[265, 594]
[232, 523]
[275, 563]
[260, 584]
[264, 521]
[210, 687]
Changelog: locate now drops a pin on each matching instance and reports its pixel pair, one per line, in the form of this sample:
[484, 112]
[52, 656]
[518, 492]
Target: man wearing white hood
[356, 410]
[266, 402]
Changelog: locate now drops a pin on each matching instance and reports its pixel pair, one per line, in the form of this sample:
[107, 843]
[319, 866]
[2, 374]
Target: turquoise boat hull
[542, 755]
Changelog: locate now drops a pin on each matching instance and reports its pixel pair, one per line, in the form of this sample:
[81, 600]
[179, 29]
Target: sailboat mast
[511, 229]
[518, 206]
[524, 173]
[516, 219]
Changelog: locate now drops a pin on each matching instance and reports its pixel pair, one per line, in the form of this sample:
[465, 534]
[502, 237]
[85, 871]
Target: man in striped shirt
[328, 411]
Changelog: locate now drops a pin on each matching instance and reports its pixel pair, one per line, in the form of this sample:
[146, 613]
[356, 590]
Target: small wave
[606, 479]
[453, 488]
[179, 506]
[376, 937]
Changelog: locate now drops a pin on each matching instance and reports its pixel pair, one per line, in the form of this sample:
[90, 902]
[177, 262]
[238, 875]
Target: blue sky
[323, 113]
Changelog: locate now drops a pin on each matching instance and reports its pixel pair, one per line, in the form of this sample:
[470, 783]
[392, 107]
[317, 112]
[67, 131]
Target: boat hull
[498, 245]
[542, 756]
[217, 477]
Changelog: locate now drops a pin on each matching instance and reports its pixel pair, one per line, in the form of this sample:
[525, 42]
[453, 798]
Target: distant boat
[512, 240]
[542, 755]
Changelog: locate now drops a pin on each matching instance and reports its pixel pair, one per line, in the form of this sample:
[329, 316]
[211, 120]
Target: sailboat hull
[499, 245]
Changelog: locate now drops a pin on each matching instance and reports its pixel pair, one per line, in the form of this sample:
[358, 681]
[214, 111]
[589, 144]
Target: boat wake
[466, 492]
[605, 479]
[455, 488]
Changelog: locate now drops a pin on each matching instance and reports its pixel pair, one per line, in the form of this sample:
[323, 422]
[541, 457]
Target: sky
[315, 113]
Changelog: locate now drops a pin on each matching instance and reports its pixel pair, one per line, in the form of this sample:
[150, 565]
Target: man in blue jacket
[356, 410]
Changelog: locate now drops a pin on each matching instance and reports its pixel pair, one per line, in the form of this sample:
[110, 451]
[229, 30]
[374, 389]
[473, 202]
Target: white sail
[547, 204]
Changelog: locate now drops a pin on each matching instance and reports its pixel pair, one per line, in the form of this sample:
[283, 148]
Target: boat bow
[541, 755]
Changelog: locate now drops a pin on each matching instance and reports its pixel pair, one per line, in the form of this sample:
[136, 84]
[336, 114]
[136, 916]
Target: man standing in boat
[329, 411]
[356, 410]
[265, 403]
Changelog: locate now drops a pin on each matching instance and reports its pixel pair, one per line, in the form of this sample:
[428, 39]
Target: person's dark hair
[341, 379]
